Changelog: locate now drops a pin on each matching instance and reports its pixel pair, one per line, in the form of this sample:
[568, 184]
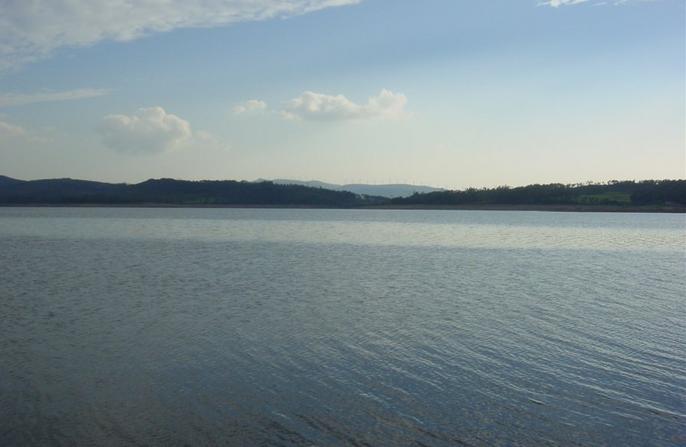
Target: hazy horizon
[358, 183]
[441, 93]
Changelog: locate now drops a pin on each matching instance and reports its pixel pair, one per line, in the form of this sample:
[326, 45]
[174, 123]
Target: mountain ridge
[389, 190]
[175, 192]
[645, 195]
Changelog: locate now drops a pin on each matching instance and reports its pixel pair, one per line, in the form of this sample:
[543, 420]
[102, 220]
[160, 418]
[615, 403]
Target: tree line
[618, 193]
[662, 193]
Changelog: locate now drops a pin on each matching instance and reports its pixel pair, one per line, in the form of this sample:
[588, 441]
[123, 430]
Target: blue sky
[451, 93]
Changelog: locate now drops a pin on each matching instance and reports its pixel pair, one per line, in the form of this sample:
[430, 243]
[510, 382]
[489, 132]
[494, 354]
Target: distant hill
[647, 195]
[390, 191]
[615, 193]
[177, 192]
[8, 180]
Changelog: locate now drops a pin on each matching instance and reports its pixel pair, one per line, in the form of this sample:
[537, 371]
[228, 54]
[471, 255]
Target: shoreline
[491, 207]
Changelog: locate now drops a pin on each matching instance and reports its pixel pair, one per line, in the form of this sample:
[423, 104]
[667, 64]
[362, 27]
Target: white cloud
[11, 130]
[20, 99]
[32, 29]
[319, 106]
[149, 130]
[250, 106]
[558, 3]
[15, 134]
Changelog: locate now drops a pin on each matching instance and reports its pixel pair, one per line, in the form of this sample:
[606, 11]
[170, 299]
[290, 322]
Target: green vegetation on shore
[664, 193]
[615, 195]
[174, 192]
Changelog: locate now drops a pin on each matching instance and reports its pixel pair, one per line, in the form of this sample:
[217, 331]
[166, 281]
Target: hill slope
[389, 191]
[626, 193]
[4, 180]
[181, 192]
[648, 195]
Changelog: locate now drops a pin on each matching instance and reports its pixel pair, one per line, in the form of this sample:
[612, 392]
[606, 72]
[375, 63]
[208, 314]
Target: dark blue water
[208, 327]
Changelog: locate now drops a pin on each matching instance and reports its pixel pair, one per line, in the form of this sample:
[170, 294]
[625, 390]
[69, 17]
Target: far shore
[474, 207]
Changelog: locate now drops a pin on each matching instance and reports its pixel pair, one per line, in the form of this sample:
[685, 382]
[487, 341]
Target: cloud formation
[250, 106]
[558, 3]
[149, 130]
[322, 107]
[20, 99]
[32, 29]
[11, 130]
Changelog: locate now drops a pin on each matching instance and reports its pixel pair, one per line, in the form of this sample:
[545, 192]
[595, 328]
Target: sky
[450, 93]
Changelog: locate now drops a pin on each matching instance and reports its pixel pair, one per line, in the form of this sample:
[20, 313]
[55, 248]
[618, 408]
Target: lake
[200, 327]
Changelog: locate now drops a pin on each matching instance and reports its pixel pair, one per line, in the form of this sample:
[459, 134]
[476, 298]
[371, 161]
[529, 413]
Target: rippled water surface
[238, 327]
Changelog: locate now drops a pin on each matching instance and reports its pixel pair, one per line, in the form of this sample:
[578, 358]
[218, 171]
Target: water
[200, 327]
